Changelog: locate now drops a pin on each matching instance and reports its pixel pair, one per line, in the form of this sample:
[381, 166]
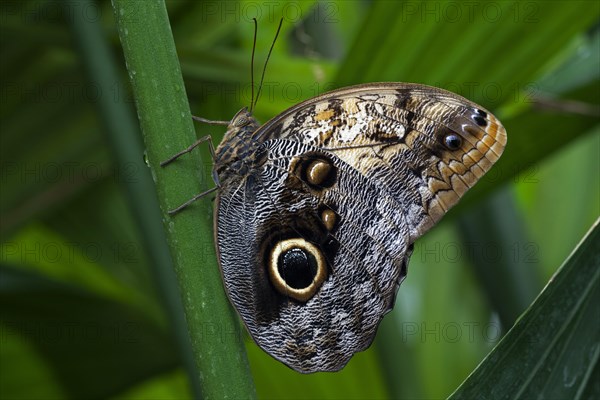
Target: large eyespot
[297, 268]
[452, 141]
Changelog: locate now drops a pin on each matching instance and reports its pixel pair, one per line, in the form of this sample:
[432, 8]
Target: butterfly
[317, 210]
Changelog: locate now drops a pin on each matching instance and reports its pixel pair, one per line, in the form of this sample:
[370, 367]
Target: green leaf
[485, 60]
[172, 385]
[68, 338]
[123, 135]
[504, 269]
[166, 123]
[553, 350]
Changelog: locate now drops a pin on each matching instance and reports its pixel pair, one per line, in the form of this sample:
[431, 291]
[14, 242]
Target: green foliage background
[89, 304]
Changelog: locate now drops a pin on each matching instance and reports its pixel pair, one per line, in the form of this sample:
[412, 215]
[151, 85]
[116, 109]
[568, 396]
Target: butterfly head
[242, 119]
[237, 148]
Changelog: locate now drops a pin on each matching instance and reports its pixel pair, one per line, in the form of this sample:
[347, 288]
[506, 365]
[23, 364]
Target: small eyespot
[329, 219]
[480, 120]
[319, 172]
[453, 141]
[315, 170]
[479, 117]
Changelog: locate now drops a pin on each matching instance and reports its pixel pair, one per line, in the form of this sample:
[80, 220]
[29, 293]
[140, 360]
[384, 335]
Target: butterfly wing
[396, 133]
[315, 235]
[362, 258]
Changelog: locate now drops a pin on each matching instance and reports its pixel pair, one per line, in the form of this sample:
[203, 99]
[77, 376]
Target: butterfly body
[318, 209]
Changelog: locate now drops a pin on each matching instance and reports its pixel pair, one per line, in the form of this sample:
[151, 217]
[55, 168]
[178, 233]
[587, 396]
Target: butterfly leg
[206, 138]
[193, 199]
[199, 141]
[210, 122]
[211, 147]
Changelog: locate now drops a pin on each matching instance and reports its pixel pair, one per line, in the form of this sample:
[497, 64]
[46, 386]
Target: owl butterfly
[317, 210]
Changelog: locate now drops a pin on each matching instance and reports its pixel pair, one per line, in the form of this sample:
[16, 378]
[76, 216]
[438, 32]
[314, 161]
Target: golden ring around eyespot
[302, 294]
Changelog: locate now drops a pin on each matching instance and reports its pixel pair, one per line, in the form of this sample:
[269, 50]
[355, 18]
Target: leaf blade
[518, 365]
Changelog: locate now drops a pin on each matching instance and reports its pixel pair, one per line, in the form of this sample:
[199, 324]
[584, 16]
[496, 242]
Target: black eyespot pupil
[453, 142]
[297, 268]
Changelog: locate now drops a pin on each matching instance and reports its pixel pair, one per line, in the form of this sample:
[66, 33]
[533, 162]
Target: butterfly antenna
[267, 60]
[252, 65]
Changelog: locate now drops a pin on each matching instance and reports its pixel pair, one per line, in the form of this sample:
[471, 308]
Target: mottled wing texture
[393, 134]
[393, 166]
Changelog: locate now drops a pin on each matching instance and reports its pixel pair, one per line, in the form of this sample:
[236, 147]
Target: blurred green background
[86, 312]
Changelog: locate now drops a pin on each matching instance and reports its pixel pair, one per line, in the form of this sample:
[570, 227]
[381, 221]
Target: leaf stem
[167, 127]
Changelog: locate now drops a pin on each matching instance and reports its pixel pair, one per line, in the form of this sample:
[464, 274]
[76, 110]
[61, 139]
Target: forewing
[395, 134]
